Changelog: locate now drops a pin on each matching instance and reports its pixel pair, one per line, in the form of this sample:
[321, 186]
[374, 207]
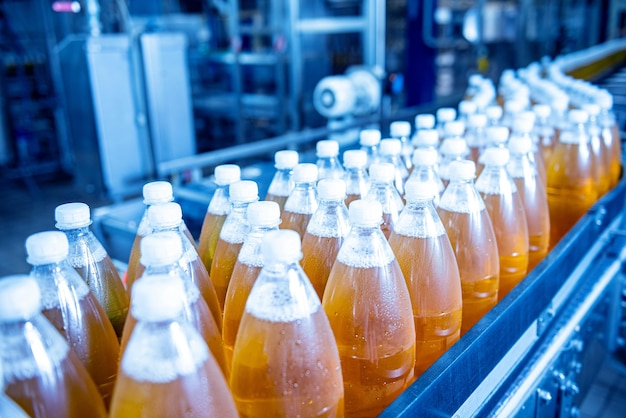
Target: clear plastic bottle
[473, 239]
[369, 308]
[425, 171]
[42, 374]
[544, 131]
[161, 253]
[466, 109]
[302, 201]
[571, 181]
[494, 115]
[610, 134]
[169, 217]
[427, 138]
[424, 121]
[357, 180]
[508, 218]
[451, 149]
[523, 126]
[475, 135]
[384, 192]
[444, 115]
[325, 233]
[496, 137]
[218, 209]
[167, 370]
[428, 263]
[92, 262]
[369, 140]
[73, 309]
[282, 182]
[154, 193]
[328, 165]
[511, 109]
[602, 159]
[8, 408]
[534, 198]
[286, 361]
[402, 130]
[232, 236]
[263, 217]
[390, 152]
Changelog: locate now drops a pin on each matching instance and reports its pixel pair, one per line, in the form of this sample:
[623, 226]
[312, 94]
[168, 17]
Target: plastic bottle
[444, 115]
[357, 180]
[328, 165]
[427, 138]
[218, 209]
[41, 373]
[508, 218]
[232, 236]
[390, 152]
[325, 233]
[467, 108]
[571, 181]
[428, 263]
[286, 361]
[475, 135]
[302, 201]
[161, 253]
[167, 369]
[384, 192]
[494, 115]
[610, 134]
[263, 217]
[544, 131]
[402, 130]
[154, 193]
[424, 121]
[169, 217]
[451, 149]
[601, 157]
[8, 408]
[523, 126]
[425, 171]
[511, 109]
[534, 198]
[91, 261]
[73, 309]
[369, 139]
[473, 239]
[282, 183]
[369, 308]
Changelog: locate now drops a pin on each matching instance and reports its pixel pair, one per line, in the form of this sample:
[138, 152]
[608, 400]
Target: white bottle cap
[369, 137]
[327, 148]
[227, 174]
[157, 192]
[282, 246]
[497, 134]
[591, 108]
[72, 215]
[494, 112]
[263, 213]
[475, 80]
[243, 191]
[467, 107]
[520, 145]
[425, 121]
[453, 146]
[495, 156]
[542, 110]
[286, 159]
[47, 247]
[382, 172]
[158, 298]
[331, 189]
[477, 120]
[446, 114]
[512, 107]
[462, 170]
[522, 124]
[354, 158]
[365, 213]
[415, 190]
[399, 129]
[390, 146]
[167, 215]
[454, 128]
[578, 116]
[20, 298]
[604, 99]
[161, 249]
[425, 157]
[305, 173]
[426, 138]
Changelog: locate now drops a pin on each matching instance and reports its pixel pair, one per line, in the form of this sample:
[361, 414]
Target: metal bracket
[544, 320]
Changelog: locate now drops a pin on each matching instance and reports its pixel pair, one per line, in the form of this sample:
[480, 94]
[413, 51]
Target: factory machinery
[539, 350]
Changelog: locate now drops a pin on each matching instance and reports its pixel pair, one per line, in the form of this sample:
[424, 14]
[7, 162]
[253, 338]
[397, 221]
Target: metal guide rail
[498, 367]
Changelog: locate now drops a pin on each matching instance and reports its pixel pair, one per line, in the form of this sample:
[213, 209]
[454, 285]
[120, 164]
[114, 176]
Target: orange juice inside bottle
[321, 254]
[302, 201]
[223, 265]
[209, 235]
[384, 192]
[295, 221]
[610, 134]
[369, 308]
[428, 263]
[282, 184]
